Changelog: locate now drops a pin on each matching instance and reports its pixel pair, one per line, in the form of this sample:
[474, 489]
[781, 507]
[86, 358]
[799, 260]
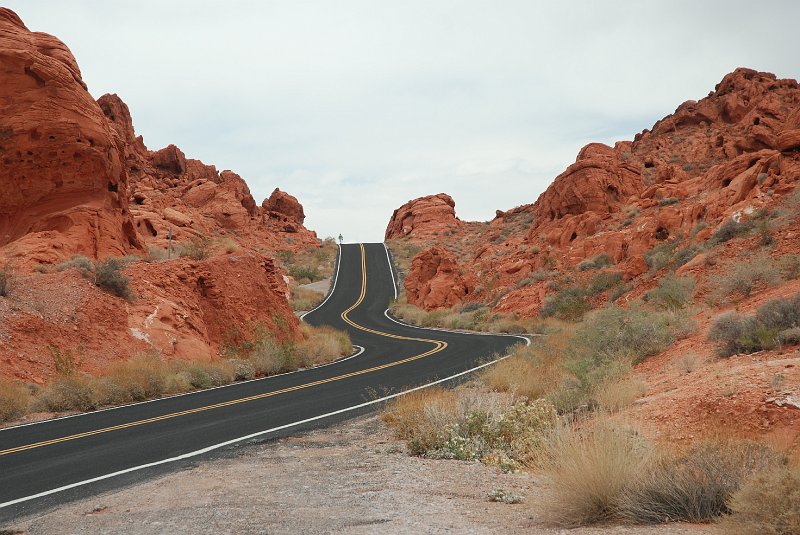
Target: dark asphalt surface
[165, 435]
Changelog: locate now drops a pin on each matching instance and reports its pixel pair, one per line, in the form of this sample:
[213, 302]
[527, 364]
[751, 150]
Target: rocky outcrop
[435, 281]
[423, 217]
[64, 188]
[725, 156]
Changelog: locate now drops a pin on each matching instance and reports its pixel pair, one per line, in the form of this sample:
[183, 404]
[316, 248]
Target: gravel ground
[351, 478]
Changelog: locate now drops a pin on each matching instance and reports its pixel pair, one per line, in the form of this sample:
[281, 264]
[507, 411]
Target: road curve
[47, 463]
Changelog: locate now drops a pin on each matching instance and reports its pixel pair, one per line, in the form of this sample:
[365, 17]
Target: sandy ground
[350, 478]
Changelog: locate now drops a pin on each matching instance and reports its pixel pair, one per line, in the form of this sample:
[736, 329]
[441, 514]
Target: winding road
[47, 463]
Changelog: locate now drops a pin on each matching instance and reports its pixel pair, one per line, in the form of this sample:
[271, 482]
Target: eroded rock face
[280, 206]
[423, 216]
[64, 186]
[434, 280]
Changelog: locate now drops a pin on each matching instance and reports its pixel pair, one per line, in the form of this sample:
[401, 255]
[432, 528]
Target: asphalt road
[47, 463]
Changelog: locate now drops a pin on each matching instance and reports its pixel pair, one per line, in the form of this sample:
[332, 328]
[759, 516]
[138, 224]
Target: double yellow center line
[439, 346]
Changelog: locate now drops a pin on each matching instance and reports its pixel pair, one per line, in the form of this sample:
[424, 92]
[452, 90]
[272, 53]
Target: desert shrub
[81, 263]
[683, 256]
[590, 470]
[14, 400]
[781, 313]
[667, 201]
[695, 487]
[768, 503]
[155, 254]
[66, 394]
[605, 280]
[137, 379]
[472, 306]
[243, 370]
[596, 262]
[789, 336]
[209, 374]
[569, 304]
[672, 293]
[449, 425]
[270, 357]
[304, 298]
[4, 280]
[304, 273]
[108, 277]
[747, 334]
[729, 230]
[199, 248]
[229, 245]
[66, 362]
[737, 334]
[789, 266]
[524, 374]
[661, 255]
[743, 277]
[422, 417]
[321, 344]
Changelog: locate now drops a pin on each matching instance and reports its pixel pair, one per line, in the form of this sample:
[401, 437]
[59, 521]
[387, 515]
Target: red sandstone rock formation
[64, 184]
[423, 217]
[434, 280]
[724, 156]
[77, 179]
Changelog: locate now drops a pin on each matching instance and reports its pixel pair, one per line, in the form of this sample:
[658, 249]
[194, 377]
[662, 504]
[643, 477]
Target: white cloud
[357, 106]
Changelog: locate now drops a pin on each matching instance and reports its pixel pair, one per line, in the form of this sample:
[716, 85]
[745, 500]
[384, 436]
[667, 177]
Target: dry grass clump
[199, 248]
[14, 399]
[137, 379]
[696, 486]
[526, 373]
[402, 254]
[596, 262]
[322, 344]
[81, 263]
[590, 469]
[421, 417]
[613, 396]
[605, 472]
[766, 504]
[304, 298]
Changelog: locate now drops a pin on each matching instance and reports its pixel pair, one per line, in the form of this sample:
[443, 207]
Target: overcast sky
[356, 107]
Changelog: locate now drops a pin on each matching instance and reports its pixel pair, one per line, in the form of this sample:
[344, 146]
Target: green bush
[108, 277]
[672, 293]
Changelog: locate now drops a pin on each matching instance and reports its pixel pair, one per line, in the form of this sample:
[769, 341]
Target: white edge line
[193, 392]
[386, 313]
[235, 440]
